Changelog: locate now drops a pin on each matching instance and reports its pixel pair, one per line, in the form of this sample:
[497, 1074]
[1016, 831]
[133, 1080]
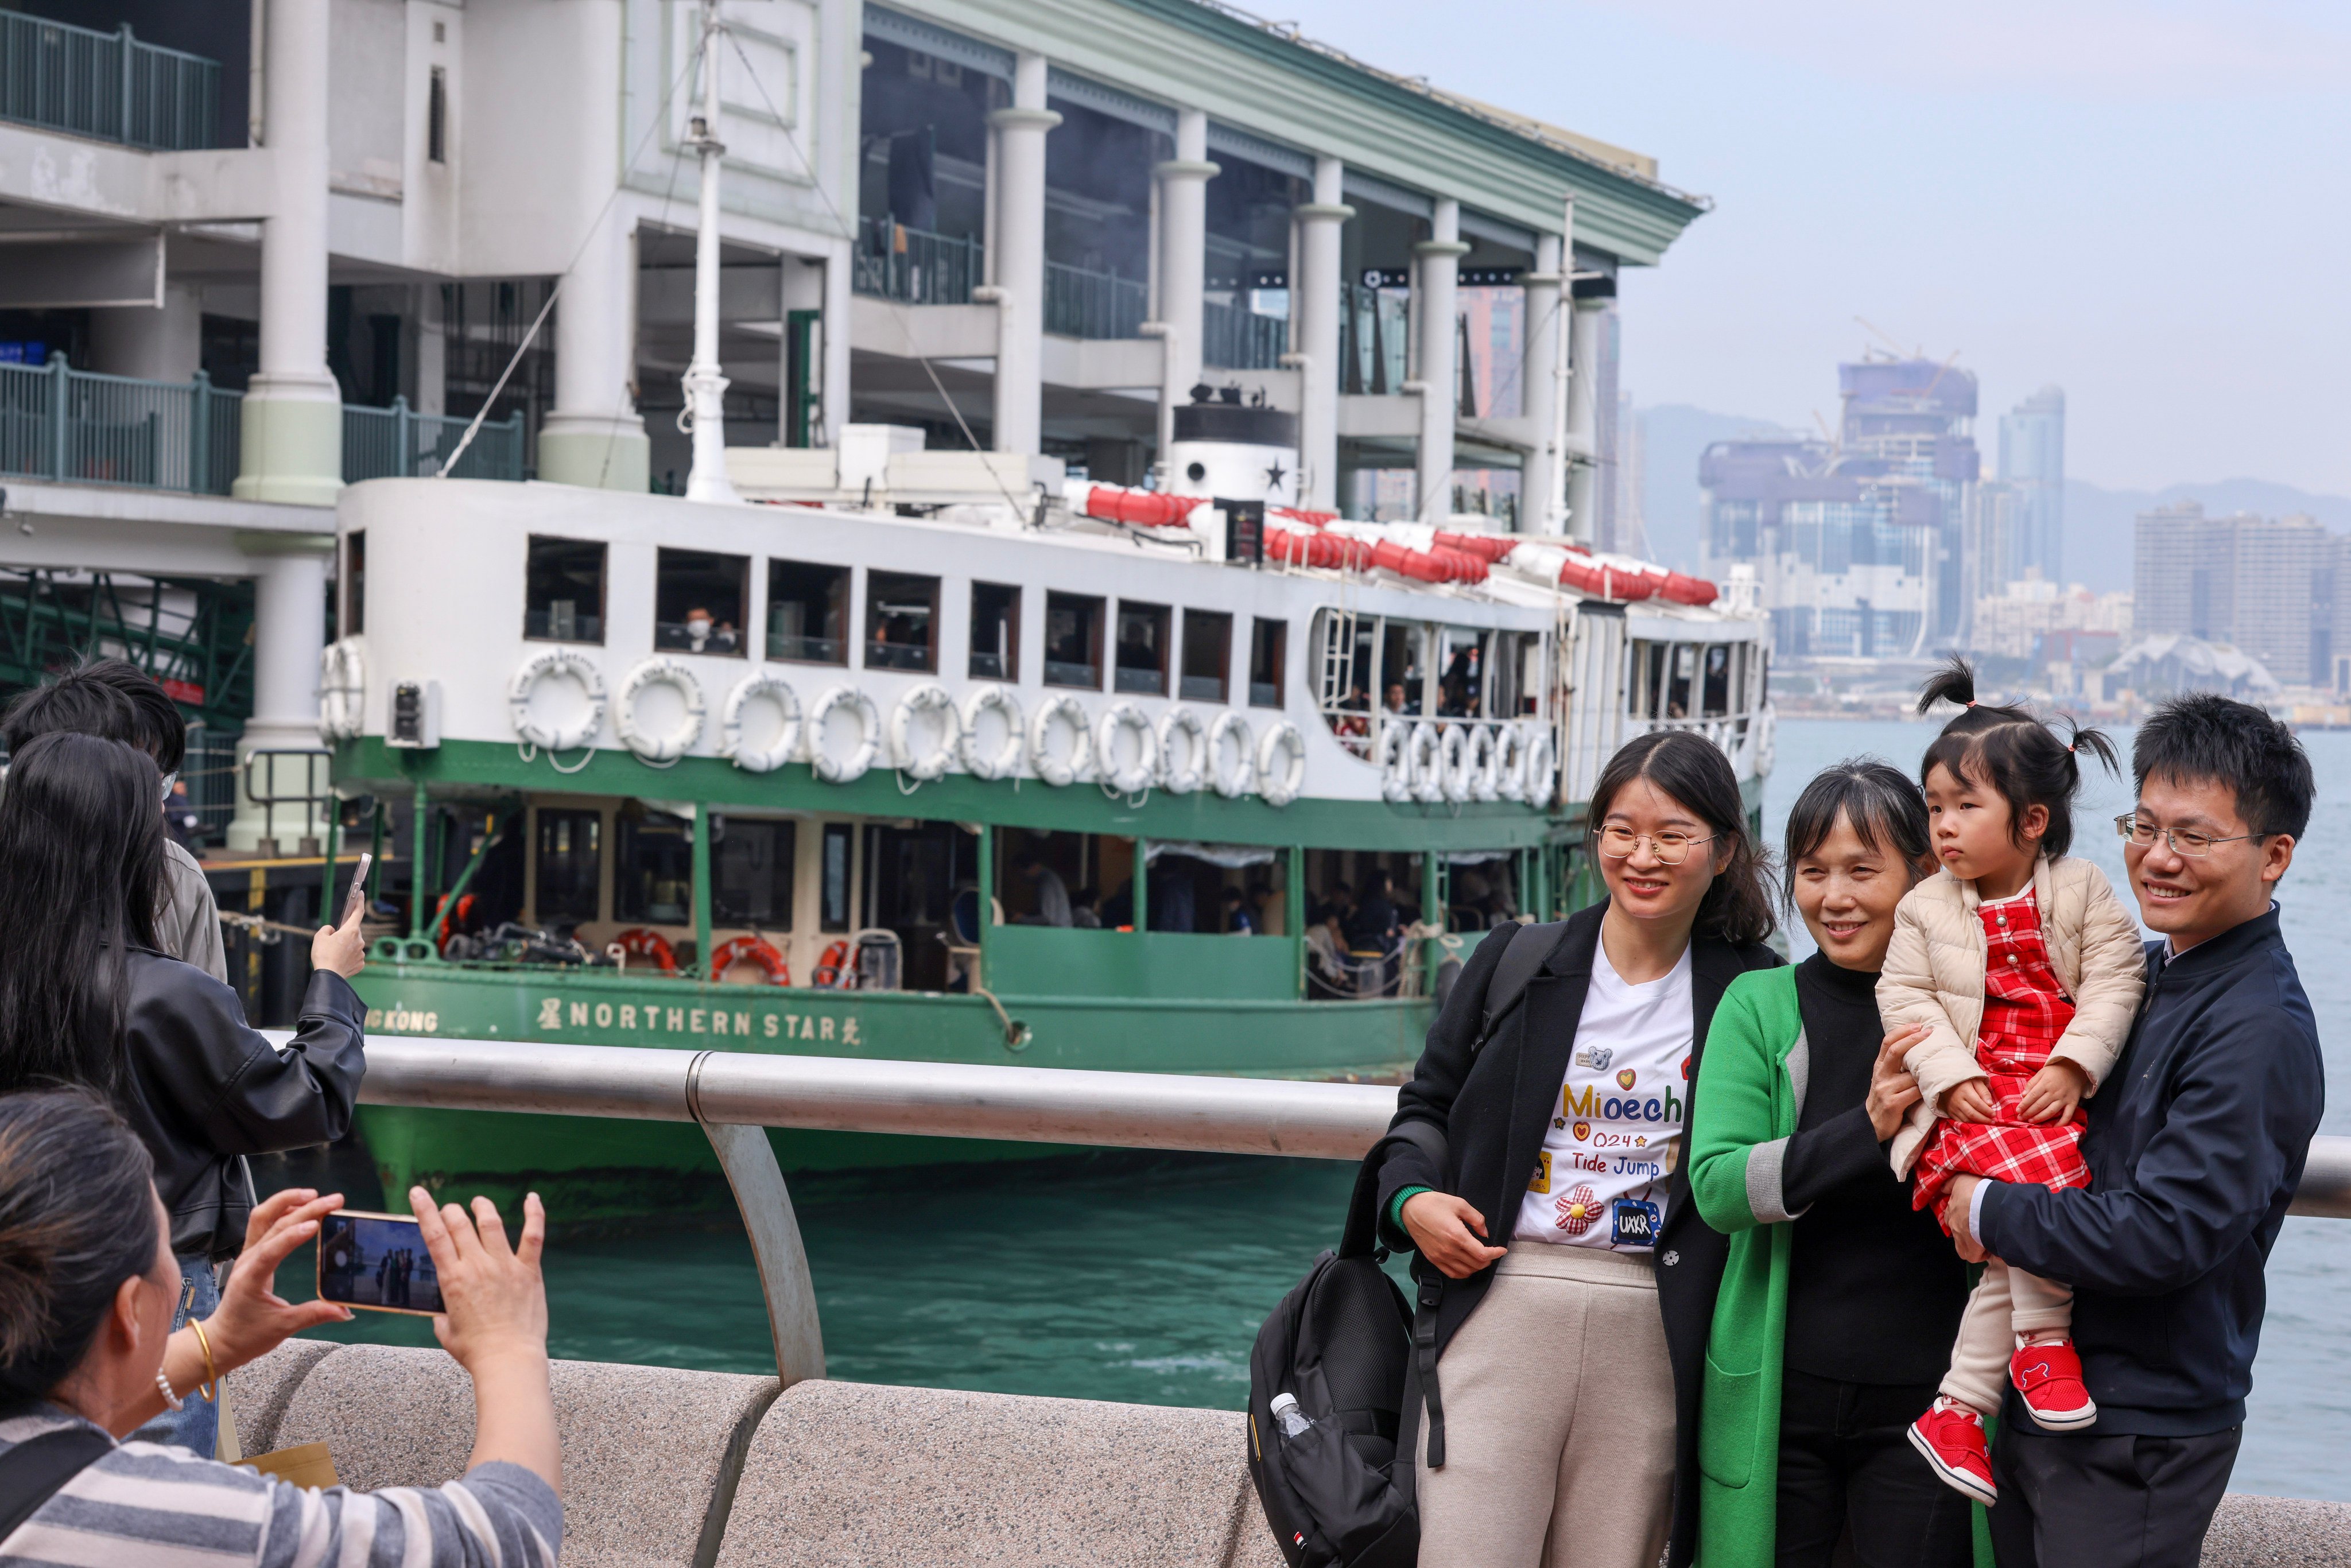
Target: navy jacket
[2195, 1145]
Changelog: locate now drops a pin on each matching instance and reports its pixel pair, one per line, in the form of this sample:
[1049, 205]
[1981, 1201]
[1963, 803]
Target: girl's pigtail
[2095, 742]
[1954, 683]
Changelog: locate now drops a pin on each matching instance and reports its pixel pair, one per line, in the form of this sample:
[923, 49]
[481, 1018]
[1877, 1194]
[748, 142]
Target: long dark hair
[1693, 770]
[1886, 809]
[81, 870]
[77, 1219]
[2014, 754]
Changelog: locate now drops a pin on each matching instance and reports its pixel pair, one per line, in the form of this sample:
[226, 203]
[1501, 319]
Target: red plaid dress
[2025, 1015]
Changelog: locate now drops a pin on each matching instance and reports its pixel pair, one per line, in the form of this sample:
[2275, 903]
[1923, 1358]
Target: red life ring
[834, 971]
[751, 951]
[642, 942]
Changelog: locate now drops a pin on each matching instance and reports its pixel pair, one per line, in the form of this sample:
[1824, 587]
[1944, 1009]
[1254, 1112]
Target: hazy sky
[2143, 203]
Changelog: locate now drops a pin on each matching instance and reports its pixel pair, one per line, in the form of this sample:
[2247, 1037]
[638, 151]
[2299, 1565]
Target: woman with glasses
[1573, 1282]
[88, 997]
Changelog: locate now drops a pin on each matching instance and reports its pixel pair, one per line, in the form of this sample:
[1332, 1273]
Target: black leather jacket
[204, 1089]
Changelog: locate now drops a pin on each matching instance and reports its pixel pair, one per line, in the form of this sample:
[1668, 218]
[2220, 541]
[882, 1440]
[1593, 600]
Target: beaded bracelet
[169, 1398]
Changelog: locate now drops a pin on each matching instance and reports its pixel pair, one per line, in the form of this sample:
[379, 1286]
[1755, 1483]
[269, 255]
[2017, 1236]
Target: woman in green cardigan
[1838, 1304]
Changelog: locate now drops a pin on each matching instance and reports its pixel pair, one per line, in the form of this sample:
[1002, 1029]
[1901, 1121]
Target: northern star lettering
[557, 1014]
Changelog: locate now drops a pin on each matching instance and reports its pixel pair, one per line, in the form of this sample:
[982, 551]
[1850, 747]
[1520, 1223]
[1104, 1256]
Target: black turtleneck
[1875, 1290]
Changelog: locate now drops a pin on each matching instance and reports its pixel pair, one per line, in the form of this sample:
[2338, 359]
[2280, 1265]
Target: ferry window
[1268, 643]
[653, 878]
[1512, 676]
[902, 622]
[1461, 673]
[1142, 649]
[751, 872]
[571, 866]
[1208, 655]
[698, 602]
[1074, 641]
[832, 892]
[995, 632]
[1404, 667]
[808, 613]
[563, 591]
[355, 619]
[1648, 679]
[1716, 695]
[1683, 672]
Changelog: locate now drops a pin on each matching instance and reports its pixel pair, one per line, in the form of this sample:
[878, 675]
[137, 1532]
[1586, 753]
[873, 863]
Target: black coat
[1494, 1108]
[204, 1089]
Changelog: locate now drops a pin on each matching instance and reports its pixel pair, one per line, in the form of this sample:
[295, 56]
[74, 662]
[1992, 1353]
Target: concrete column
[432, 351]
[1437, 374]
[593, 435]
[292, 421]
[1019, 291]
[1183, 258]
[164, 345]
[1316, 293]
[1541, 481]
[1584, 420]
[289, 621]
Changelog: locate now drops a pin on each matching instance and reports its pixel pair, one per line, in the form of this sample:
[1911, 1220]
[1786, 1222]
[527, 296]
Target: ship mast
[705, 386]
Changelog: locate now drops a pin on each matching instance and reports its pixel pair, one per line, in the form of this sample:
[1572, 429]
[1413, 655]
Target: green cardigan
[1752, 1074]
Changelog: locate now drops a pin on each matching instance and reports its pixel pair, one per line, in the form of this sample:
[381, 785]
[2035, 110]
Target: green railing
[914, 265]
[1234, 338]
[106, 86]
[1083, 304]
[395, 442]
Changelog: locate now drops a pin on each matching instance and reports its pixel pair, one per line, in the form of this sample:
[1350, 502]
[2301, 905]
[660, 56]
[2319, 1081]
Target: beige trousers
[1559, 1419]
[2006, 1302]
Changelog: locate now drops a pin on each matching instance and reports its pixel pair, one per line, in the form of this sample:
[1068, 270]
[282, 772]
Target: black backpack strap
[1506, 986]
[32, 1473]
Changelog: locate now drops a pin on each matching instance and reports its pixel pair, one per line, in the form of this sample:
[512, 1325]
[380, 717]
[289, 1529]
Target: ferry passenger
[86, 1354]
[1577, 1281]
[1053, 892]
[1839, 1297]
[86, 997]
[1085, 909]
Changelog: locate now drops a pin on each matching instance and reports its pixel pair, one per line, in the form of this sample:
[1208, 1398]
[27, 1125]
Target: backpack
[1361, 1364]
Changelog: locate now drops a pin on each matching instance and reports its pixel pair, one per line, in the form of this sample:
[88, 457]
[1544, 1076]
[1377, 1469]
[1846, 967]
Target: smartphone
[377, 1262]
[357, 897]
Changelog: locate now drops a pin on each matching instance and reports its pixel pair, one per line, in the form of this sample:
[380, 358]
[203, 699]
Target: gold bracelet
[210, 1387]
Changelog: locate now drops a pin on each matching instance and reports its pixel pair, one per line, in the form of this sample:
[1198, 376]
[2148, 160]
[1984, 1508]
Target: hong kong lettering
[557, 1014]
[398, 1019]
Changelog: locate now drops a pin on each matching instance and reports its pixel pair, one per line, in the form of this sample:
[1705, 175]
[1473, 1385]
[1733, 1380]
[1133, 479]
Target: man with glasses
[2195, 1144]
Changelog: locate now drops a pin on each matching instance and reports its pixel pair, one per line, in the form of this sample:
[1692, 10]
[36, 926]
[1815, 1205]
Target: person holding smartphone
[87, 996]
[89, 1280]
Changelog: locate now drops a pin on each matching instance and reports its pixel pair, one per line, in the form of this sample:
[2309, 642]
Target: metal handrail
[106, 86]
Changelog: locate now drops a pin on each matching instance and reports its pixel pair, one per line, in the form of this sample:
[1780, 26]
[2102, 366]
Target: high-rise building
[1629, 529]
[1916, 418]
[2264, 586]
[2033, 460]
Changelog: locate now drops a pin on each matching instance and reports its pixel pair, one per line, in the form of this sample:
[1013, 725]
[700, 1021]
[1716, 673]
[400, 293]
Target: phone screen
[358, 894]
[377, 1261]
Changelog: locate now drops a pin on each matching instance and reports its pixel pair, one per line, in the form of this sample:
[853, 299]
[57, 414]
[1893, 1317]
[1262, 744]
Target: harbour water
[1145, 1278]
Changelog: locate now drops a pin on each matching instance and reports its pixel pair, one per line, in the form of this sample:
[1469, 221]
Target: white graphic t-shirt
[1617, 1132]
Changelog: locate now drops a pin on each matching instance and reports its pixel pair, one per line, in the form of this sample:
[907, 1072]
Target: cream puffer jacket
[1934, 974]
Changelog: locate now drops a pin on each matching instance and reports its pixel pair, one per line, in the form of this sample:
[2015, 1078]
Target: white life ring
[1128, 778]
[1483, 756]
[929, 700]
[757, 686]
[660, 671]
[1183, 751]
[846, 769]
[1395, 762]
[1510, 763]
[568, 730]
[1280, 764]
[1060, 767]
[1543, 762]
[1428, 750]
[977, 761]
[1233, 779]
[342, 689]
[1454, 762]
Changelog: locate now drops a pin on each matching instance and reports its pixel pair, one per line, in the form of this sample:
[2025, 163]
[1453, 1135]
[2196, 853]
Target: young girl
[2026, 971]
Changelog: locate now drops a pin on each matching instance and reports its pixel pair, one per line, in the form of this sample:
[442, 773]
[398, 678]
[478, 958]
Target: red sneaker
[1951, 1437]
[2049, 1376]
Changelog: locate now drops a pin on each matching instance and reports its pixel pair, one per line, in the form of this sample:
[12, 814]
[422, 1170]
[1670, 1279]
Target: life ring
[1058, 768]
[643, 942]
[1485, 758]
[1395, 762]
[660, 671]
[1453, 763]
[1280, 764]
[1428, 749]
[1510, 763]
[342, 689]
[929, 700]
[834, 971]
[765, 759]
[850, 768]
[1236, 779]
[1138, 774]
[1005, 761]
[1183, 751]
[751, 951]
[1543, 762]
[571, 731]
